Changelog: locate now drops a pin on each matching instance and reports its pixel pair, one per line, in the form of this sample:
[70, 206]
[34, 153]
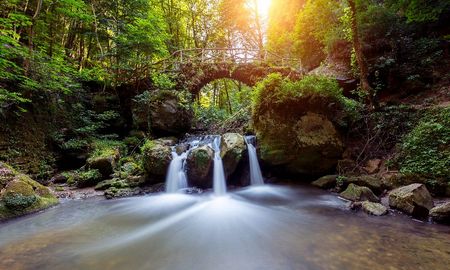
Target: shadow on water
[262, 227]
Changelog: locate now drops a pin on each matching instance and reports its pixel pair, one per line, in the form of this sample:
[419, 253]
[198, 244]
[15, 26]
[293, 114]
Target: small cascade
[176, 174]
[219, 185]
[255, 171]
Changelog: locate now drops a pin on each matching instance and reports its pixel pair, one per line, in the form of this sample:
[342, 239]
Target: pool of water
[266, 227]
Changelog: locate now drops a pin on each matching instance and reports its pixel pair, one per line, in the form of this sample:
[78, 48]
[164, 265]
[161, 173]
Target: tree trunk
[363, 70]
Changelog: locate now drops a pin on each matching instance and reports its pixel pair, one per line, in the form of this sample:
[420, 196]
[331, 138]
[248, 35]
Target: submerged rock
[357, 193]
[372, 208]
[413, 199]
[156, 157]
[325, 182]
[441, 213]
[20, 195]
[232, 148]
[199, 165]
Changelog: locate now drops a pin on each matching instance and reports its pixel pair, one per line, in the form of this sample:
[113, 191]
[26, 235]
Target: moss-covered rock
[413, 199]
[104, 157]
[156, 157]
[168, 113]
[372, 182]
[129, 182]
[357, 193]
[307, 145]
[20, 194]
[199, 165]
[375, 209]
[114, 192]
[297, 123]
[325, 182]
[441, 213]
[436, 186]
[232, 148]
[83, 178]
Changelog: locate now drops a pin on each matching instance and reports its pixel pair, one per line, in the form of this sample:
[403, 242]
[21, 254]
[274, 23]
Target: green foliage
[88, 125]
[163, 81]
[148, 145]
[17, 201]
[106, 148]
[420, 10]
[222, 101]
[82, 178]
[276, 92]
[317, 29]
[209, 115]
[426, 149]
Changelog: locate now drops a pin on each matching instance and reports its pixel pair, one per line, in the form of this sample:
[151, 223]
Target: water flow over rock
[176, 175]
[219, 185]
[255, 171]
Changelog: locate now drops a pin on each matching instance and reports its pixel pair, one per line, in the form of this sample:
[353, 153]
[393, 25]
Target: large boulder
[441, 213]
[357, 193]
[156, 157]
[413, 199]
[298, 123]
[232, 148]
[200, 165]
[20, 195]
[310, 144]
[168, 114]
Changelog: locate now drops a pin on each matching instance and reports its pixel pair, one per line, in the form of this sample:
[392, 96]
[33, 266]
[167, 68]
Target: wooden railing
[227, 56]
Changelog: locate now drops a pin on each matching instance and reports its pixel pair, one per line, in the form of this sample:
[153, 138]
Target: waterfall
[255, 171]
[219, 184]
[176, 175]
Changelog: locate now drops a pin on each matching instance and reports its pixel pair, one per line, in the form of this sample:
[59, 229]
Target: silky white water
[219, 185]
[259, 227]
[255, 170]
[176, 175]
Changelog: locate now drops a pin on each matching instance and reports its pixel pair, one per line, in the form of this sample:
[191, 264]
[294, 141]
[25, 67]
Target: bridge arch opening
[222, 99]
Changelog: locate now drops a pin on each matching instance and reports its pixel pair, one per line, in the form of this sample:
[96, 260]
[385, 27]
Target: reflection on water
[263, 227]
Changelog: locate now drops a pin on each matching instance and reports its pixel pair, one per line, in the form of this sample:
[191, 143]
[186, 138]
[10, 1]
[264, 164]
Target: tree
[363, 69]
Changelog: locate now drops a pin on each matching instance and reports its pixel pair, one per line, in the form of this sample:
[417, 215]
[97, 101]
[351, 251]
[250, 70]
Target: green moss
[59, 188]
[276, 94]
[17, 201]
[148, 145]
[82, 178]
[202, 158]
[22, 195]
[88, 178]
[106, 148]
[112, 183]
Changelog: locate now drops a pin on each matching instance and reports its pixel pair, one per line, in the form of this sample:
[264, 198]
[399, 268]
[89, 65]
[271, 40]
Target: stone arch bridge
[192, 69]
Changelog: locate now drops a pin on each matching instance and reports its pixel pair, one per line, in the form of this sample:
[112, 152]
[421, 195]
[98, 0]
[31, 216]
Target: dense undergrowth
[425, 151]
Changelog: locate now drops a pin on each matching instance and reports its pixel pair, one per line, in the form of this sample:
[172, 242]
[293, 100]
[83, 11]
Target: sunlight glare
[263, 7]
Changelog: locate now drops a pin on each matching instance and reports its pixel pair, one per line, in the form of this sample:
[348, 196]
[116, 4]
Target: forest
[224, 134]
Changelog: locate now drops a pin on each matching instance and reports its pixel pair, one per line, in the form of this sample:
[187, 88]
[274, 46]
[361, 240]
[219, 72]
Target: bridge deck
[237, 56]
